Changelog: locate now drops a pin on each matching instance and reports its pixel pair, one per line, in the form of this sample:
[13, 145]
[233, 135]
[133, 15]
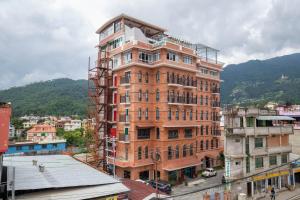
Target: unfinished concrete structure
[162, 103]
[257, 140]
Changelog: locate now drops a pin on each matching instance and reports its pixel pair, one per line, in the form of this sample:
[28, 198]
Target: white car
[209, 172]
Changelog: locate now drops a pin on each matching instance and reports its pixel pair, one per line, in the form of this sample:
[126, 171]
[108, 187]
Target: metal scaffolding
[98, 92]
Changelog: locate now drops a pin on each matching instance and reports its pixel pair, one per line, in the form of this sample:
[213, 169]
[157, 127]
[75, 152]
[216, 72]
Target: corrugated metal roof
[275, 118]
[76, 193]
[60, 171]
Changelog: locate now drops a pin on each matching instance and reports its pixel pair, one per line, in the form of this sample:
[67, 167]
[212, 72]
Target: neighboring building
[41, 132]
[5, 114]
[60, 177]
[32, 148]
[165, 99]
[29, 124]
[72, 125]
[12, 131]
[257, 140]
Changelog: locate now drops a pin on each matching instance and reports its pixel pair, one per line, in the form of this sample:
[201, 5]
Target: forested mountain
[259, 81]
[54, 97]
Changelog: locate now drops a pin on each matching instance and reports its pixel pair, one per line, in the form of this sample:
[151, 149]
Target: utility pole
[156, 159]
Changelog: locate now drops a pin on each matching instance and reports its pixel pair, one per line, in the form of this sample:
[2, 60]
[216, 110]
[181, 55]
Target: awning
[286, 118]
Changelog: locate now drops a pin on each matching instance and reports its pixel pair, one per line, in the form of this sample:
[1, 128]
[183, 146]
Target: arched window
[146, 152]
[196, 114]
[212, 144]
[157, 76]
[140, 95]
[147, 77]
[191, 149]
[177, 114]
[169, 152]
[169, 114]
[201, 130]
[140, 113]
[201, 145]
[157, 114]
[191, 114]
[217, 143]
[184, 114]
[139, 153]
[147, 95]
[139, 76]
[207, 145]
[157, 95]
[184, 151]
[177, 151]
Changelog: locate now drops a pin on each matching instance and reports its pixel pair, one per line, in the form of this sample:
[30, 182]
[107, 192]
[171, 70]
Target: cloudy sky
[47, 39]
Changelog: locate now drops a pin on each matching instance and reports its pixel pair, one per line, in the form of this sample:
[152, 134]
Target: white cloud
[52, 38]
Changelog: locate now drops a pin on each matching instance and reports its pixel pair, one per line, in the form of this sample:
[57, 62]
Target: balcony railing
[281, 149]
[215, 104]
[124, 118]
[215, 90]
[182, 99]
[124, 99]
[272, 130]
[123, 137]
[125, 80]
[181, 81]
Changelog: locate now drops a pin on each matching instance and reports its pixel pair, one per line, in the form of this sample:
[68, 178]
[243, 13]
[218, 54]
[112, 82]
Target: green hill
[54, 97]
[259, 81]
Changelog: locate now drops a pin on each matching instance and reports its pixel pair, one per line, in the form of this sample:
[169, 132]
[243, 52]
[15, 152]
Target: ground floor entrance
[144, 175]
[180, 175]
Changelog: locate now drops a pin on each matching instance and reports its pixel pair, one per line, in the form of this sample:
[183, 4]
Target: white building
[12, 131]
[72, 125]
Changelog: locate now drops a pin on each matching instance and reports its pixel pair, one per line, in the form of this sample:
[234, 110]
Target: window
[116, 43]
[177, 114]
[259, 162]
[157, 95]
[273, 160]
[146, 114]
[201, 130]
[146, 95]
[184, 151]
[250, 121]
[156, 56]
[184, 115]
[191, 149]
[147, 77]
[157, 113]
[140, 114]
[196, 115]
[201, 145]
[145, 57]
[139, 153]
[191, 115]
[212, 144]
[44, 146]
[143, 133]
[172, 56]
[201, 100]
[237, 140]
[187, 59]
[284, 158]
[258, 142]
[139, 76]
[172, 134]
[207, 130]
[169, 114]
[188, 133]
[169, 152]
[201, 115]
[157, 76]
[140, 95]
[217, 143]
[206, 115]
[18, 148]
[177, 152]
[31, 147]
[127, 57]
[207, 145]
[157, 133]
[146, 152]
[117, 26]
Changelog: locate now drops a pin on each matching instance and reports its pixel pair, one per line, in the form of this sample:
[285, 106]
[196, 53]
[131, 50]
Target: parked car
[161, 186]
[209, 172]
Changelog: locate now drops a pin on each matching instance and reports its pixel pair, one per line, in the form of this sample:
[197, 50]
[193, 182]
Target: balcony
[125, 99]
[215, 90]
[215, 104]
[124, 118]
[282, 149]
[177, 100]
[124, 138]
[179, 81]
[125, 80]
[273, 130]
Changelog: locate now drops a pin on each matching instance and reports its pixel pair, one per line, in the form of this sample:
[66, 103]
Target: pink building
[41, 132]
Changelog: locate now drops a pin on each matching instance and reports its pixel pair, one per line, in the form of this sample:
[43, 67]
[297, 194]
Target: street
[197, 184]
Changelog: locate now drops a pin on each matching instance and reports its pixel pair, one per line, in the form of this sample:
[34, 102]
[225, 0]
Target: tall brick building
[165, 98]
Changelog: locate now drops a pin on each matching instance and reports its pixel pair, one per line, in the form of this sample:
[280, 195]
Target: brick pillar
[217, 196]
[227, 195]
[206, 196]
